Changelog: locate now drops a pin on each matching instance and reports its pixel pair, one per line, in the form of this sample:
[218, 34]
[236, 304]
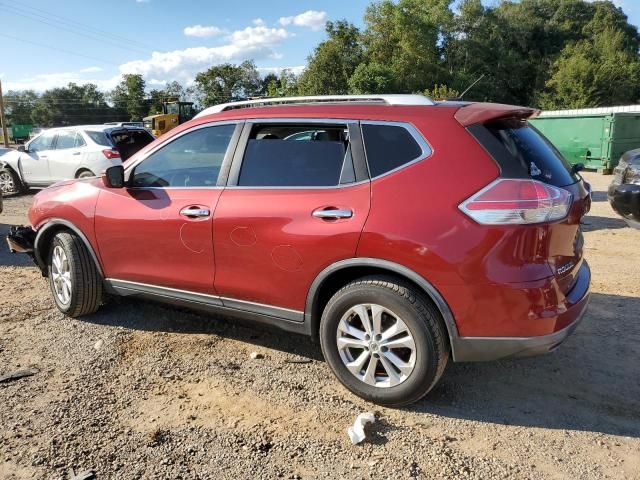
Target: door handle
[332, 213]
[76, 153]
[195, 212]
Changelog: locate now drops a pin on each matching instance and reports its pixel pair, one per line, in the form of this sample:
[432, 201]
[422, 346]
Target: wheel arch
[335, 276]
[81, 169]
[42, 242]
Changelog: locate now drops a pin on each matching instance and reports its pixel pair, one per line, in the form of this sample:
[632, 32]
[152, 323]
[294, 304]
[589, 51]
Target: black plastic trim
[508, 168]
[430, 290]
[56, 222]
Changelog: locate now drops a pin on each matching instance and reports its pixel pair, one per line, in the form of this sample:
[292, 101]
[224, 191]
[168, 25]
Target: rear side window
[297, 156]
[191, 160]
[99, 137]
[531, 153]
[389, 147]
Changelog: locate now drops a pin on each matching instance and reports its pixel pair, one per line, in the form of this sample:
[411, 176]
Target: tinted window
[79, 141]
[191, 160]
[66, 139]
[388, 147]
[285, 155]
[43, 142]
[99, 137]
[533, 153]
[129, 142]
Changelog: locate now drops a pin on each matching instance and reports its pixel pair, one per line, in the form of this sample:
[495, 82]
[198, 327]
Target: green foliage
[372, 78]
[442, 92]
[227, 83]
[129, 97]
[286, 85]
[333, 62]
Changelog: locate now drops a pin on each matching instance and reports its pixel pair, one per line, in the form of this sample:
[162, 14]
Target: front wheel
[384, 341]
[75, 282]
[9, 182]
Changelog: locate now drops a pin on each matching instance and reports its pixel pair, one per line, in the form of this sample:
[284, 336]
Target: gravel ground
[141, 390]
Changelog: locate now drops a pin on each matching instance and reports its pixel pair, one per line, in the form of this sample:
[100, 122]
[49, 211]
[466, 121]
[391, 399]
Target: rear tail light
[517, 202]
[111, 153]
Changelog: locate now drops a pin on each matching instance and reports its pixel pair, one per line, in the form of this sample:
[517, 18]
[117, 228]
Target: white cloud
[143, 1]
[91, 70]
[203, 31]
[46, 81]
[313, 19]
[297, 70]
[256, 42]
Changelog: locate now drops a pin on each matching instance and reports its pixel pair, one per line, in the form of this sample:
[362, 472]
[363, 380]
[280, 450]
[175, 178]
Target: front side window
[282, 155]
[43, 142]
[389, 147]
[191, 160]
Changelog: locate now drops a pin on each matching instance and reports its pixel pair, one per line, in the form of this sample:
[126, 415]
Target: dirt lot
[141, 390]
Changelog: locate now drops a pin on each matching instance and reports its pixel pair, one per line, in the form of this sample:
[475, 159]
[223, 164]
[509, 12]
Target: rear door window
[531, 153]
[285, 155]
[66, 139]
[390, 146]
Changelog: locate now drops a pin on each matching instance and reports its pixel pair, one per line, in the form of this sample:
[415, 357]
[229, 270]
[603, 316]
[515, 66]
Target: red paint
[497, 280]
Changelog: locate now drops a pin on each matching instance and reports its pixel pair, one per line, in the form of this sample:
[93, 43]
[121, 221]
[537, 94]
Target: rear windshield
[533, 152]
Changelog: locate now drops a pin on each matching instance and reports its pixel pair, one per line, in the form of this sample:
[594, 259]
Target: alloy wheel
[376, 346]
[7, 185]
[61, 275]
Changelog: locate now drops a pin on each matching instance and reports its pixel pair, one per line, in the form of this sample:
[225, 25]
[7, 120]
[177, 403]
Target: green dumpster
[20, 133]
[597, 140]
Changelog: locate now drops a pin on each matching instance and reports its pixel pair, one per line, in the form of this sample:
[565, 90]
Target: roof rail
[266, 102]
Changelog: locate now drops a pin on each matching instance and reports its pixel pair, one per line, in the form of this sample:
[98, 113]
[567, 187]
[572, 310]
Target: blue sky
[47, 44]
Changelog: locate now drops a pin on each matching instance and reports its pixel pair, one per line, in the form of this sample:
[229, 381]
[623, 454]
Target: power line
[42, 45]
[10, 10]
[76, 24]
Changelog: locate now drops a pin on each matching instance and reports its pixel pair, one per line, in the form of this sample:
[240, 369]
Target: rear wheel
[75, 282]
[86, 174]
[383, 341]
[9, 182]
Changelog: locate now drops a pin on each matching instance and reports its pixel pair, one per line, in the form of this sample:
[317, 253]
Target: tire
[420, 322]
[85, 174]
[10, 183]
[83, 291]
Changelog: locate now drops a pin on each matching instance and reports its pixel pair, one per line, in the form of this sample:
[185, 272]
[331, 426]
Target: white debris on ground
[356, 431]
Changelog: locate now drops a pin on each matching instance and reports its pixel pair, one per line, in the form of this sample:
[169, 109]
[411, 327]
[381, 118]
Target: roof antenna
[471, 86]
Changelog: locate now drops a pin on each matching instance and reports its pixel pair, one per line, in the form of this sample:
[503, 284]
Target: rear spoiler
[484, 112]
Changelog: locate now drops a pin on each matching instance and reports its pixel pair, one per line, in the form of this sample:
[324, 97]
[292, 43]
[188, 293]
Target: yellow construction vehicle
[173, 114]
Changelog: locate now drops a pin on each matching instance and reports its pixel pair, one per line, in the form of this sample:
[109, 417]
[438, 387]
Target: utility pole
[3, 120]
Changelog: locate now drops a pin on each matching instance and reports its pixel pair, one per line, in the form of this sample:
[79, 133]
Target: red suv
[397, 230]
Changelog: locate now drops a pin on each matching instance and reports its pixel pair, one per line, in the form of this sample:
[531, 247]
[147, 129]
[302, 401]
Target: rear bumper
[478, 349]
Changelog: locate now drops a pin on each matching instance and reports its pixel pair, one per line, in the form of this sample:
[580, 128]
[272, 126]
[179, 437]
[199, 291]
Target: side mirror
[22, 148]
[113, 177]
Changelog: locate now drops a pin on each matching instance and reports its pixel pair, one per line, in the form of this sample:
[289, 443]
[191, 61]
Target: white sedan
[70, 152]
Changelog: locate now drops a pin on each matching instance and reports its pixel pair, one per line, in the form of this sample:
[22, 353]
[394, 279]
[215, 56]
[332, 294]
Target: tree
[285, 85]
[442, 92]
[333, 61]
[129, 97]
[372, 78]
[593, 74]
[19, 106]
[71, 105]
[409, 38]
[227, 83]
